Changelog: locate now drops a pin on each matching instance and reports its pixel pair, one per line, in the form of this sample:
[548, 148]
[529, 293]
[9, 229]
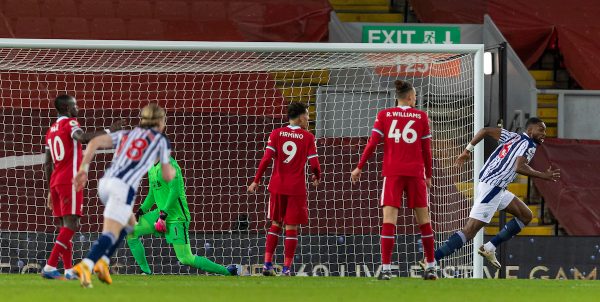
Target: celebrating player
[291, 146]
[137, 150]
[510, 157]
[63, 155]
[170, 219]
[406, 168]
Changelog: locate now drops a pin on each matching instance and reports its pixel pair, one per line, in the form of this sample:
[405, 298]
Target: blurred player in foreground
[291, 146]
[512, 156]
[406, 138]
[63, 156]
[137, 150]
[170, 219]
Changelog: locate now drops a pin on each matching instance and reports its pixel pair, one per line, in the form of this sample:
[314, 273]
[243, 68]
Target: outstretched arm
[103, 141]
[493, 132]
[85, 137]
[525, 169]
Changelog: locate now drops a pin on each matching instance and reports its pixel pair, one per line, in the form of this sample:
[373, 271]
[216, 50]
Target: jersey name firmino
[291, 135]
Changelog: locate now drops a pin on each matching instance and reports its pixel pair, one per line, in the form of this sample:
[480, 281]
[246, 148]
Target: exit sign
[411, 34]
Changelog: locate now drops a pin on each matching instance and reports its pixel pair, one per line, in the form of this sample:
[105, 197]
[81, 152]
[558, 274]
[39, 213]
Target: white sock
[489, 247]
[432, 264]
[89, 263]
[106, 259]
[48, 268]
[69, 271]
[387, 267]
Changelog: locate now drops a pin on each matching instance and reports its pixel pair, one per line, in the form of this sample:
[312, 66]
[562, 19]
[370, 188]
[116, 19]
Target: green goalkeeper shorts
[177, 232]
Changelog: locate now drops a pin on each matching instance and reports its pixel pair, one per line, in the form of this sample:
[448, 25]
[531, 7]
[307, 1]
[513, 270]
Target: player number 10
[289, 149]
[57, 149]
[409, 135]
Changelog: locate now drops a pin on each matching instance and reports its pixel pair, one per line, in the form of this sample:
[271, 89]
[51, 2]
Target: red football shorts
[291, 209]
[66, 201]
[395, 186]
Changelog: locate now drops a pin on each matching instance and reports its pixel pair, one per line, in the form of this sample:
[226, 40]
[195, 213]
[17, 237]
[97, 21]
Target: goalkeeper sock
[99, 248]
[185, 257]
[388, 231]
[271, 244]
[139, 254]
[290, 243]
[511, 229]
[428, 246]
[60, 246]
[453, 243]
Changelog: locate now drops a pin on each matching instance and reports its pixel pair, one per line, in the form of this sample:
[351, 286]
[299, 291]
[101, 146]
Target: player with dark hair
[291, 146]
[63, 156]
[137, 151]
[512, 156]
[406, 138]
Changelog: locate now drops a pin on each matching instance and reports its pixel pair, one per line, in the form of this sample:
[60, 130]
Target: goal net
[222, 101]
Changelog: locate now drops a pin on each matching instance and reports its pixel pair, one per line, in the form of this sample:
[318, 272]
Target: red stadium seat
[131, 9]
[145, 29]
[22, 8]
[70, 28]
[37, 27]
[59, 8]
[172, 10]
[108, 29]
[96, 9]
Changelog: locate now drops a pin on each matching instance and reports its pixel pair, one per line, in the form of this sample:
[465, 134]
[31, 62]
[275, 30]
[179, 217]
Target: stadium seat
[22, 8]
[130, 9]
[108, 29]
[28, 27]
[145, 29]
[70, 28]
[59, 8]
[172, 10]
[96, 9]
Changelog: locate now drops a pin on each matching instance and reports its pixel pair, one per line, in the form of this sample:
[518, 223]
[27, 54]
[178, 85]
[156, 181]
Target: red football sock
[60, 246]
[388, 231]
[427, 239]
[290, 243]
[272, 239]
[64, 236]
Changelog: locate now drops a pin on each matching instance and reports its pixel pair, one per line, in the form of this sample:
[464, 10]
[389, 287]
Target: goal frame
[476, 49]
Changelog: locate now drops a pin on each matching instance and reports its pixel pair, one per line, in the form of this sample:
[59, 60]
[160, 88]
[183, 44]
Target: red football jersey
[403, 130]
[66, 152]
[293, 146]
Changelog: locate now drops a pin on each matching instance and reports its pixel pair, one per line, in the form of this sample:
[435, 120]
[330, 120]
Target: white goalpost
[222, 101]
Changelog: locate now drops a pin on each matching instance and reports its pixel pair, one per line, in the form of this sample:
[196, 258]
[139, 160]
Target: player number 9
[289, 149]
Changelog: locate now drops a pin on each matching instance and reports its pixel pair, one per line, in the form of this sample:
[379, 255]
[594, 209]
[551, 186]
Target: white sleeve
[506, 135]
[165, 150]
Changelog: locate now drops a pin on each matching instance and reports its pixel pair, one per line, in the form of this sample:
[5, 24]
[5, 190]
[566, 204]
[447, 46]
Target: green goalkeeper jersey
[168, 197]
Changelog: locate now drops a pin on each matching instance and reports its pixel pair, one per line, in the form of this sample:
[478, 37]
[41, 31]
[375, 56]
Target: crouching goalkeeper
[170, 219]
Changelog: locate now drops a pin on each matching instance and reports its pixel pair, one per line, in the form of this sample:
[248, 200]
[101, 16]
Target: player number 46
[409, 135]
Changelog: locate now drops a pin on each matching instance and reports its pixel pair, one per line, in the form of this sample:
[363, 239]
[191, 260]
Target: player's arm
[85, 137]
[265, 162]
[168, 173]
[374, 140]
[493, 132]
[48, 169]
[525, 169]
[313, 161]
[98, 142]
[175, 189]
[149, 201]
[426, 152]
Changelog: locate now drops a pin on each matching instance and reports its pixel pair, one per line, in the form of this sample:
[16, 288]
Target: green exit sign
[411, 34]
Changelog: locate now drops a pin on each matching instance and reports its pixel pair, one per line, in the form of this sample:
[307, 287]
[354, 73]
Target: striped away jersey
[137, 151]
[500, 168]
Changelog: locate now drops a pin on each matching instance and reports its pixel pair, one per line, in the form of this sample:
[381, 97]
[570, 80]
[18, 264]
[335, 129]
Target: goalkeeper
[171, 219]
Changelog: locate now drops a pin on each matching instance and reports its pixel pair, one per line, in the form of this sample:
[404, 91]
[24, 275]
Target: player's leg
[296, 213]
[178, 236]
[50, 270]
[391, 197]
[70, 226]
[522, 217]
[102, 266]
[417, 199]
[145, 226]
[275, 214]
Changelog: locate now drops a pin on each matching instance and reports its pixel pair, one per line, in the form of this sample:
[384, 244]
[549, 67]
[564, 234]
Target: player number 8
[409, 135]
[289, 149]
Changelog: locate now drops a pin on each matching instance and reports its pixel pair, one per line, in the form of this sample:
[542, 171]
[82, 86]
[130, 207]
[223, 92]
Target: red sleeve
[426, 148]
[266, 160]
[313, 160]
[376, 136]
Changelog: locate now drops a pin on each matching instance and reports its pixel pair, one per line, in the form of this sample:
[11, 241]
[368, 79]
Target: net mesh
[221, 107]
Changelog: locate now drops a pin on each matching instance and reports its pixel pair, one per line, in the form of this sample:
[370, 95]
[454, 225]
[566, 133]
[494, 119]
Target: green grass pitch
[306, 289]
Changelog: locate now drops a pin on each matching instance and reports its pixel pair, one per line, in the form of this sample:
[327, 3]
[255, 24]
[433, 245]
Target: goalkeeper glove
[161, 224]
[139, 214]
